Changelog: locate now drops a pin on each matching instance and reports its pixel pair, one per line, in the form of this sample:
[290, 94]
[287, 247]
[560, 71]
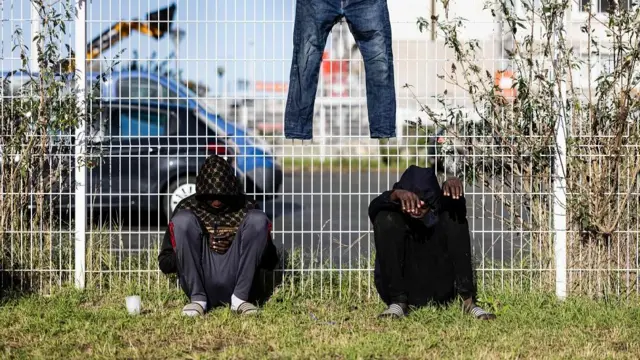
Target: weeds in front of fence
[511, 148]
[36, 123]
[39, 113]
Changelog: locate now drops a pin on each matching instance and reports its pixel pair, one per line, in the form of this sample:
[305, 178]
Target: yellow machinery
[157, 25]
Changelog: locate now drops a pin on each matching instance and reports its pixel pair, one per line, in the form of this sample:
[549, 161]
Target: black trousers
[418, 265]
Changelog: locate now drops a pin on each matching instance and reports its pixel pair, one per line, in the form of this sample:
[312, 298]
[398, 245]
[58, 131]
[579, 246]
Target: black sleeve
[382, 203]
[270, 258]
[167, 257]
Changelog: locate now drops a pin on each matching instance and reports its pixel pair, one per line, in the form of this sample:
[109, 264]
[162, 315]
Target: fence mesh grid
[216, 82]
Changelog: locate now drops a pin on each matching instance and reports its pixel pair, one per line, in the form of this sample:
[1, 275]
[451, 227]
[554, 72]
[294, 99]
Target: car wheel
[177, 191]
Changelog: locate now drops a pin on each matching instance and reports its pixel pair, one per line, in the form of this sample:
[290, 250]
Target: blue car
[150, 137]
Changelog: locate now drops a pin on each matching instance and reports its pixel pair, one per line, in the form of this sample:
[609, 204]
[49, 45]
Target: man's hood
[217, 179]
[424, 183]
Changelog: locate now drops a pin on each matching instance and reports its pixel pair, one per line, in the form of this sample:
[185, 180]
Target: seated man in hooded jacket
[217, 240]
[423, 246]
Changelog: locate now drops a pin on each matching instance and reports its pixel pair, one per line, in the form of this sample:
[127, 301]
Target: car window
[189, 125]
[141, 89]
[147, 90]
[136, 122]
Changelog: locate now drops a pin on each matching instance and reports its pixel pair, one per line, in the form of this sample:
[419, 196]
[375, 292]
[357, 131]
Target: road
[324, 214]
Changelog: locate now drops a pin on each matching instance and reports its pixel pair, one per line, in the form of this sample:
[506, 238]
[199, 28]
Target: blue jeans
[369, 23]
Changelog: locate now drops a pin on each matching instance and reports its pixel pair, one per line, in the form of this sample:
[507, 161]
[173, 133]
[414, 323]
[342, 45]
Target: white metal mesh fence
[171, 83]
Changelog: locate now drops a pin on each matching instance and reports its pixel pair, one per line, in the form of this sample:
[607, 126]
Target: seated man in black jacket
[423, 249]
[216, 241]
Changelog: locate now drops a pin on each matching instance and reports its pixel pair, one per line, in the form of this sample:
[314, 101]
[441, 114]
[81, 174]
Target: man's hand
[453, 187]
[410, 202]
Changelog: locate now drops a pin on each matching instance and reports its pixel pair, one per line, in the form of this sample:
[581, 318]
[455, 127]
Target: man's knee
[388, 221]
[257, 221]
[183, 226]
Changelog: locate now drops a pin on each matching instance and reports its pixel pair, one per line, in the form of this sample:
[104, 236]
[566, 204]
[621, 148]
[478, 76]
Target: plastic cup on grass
[133, 304]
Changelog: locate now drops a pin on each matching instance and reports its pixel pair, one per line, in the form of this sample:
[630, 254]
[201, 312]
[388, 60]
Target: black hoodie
[420, 181]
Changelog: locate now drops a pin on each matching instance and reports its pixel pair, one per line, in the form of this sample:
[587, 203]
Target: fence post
[559, 209]
[559, 172]
[80, 217]
[34, 66]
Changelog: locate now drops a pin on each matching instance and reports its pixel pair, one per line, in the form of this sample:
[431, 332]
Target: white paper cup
[133, 304]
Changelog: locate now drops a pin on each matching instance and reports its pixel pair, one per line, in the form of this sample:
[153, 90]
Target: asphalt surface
[324, 214]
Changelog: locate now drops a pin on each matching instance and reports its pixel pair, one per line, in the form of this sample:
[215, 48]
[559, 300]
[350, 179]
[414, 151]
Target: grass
[72, 324]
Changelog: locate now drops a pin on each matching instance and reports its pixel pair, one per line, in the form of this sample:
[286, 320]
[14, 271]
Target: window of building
[603, 6]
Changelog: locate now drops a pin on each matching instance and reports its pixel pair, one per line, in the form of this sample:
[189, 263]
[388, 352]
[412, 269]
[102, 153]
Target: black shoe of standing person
[394, 311]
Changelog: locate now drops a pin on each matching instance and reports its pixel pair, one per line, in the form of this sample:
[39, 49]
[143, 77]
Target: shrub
[511, 148]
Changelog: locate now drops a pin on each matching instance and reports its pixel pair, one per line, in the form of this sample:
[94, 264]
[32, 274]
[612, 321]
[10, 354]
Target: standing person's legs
[186, 238]
[390, 232]
[371, 28]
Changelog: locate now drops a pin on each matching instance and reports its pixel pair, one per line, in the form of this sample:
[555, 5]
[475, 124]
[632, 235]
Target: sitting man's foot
[394, 311]
[242, 307]
[246, 308]
[476, 311]
[193, 309]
